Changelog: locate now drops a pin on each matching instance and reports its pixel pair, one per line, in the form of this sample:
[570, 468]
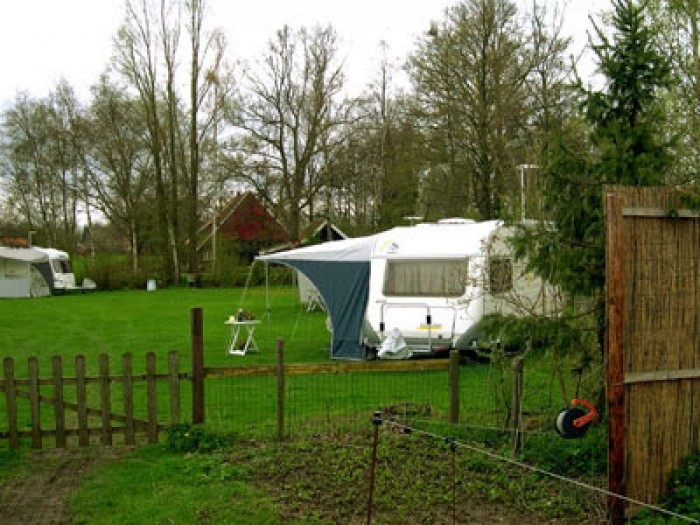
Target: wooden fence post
[59, 408]
[105, 400]
[151, 398]
[81, 398]
[614, 342]
[197, 367]
[34, 402]
[128, 389]
[516, 416]
[454, 386]
[174, 388]
[280, 388]
[11, 398]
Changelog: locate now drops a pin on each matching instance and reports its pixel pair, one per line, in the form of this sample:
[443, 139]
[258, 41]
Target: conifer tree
[619, 140]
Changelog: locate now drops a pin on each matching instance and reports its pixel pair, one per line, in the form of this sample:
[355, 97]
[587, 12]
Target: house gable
[245, 221]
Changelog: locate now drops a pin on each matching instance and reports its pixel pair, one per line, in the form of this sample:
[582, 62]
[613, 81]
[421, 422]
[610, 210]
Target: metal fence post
[454, 386]
[280, 388]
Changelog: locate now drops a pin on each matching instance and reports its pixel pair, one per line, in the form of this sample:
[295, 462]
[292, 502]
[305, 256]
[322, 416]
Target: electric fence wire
[532, 468]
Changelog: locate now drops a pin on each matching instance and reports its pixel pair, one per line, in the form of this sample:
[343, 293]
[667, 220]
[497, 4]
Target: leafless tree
[120, 163]
[138, 60]
[210, 81]
[470, 74]
[41, 163]
[291, 118]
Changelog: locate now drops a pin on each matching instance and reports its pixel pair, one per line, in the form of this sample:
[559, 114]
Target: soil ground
[38, 495]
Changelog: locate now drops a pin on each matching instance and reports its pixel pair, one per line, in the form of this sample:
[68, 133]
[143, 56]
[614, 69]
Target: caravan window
[16, 269]
[428, 278]
[500, 275]
[61, 266]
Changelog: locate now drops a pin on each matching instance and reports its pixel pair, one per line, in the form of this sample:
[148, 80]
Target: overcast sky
[42, 41]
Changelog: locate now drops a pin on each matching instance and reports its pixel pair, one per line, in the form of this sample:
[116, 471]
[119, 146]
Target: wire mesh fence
[248, 401]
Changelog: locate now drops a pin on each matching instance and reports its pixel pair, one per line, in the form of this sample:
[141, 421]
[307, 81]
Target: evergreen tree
[620, 140]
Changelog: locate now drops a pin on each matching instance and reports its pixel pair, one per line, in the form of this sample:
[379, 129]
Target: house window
[426, 278]
[500, 276]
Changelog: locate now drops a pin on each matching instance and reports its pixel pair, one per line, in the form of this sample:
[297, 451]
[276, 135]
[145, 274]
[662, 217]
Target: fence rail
[97, 407]
[93, 398]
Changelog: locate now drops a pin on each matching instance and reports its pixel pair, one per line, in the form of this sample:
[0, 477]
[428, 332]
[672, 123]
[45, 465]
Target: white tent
[19, 273]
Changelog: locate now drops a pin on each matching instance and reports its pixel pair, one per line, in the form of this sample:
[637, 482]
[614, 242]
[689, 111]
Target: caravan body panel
[61, 269]
[435, 282]
[425, 282]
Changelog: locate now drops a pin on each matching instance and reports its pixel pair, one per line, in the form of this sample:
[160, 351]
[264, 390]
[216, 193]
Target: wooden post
[81, 398]
[34, 402]
[105, 400]
[128, 388]
[197, 366]
[517, 406]
[616, 373]
[151, 397]
[59, 407]
[174, 386]
[454, 386]
[11, 399]
[280, 388]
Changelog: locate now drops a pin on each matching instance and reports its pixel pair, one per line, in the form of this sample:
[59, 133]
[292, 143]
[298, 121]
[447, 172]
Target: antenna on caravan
[522, 168]
[413, 219]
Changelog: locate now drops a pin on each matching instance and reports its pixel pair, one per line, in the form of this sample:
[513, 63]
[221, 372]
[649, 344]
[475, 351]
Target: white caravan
[61, 270]
[430, 284]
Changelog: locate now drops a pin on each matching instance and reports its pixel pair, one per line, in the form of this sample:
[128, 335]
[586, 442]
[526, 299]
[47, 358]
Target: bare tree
[291, 118]
[41, 163]
[210, 80]
[120, 163]
[470, 75]
[138, 60]
[677, 27]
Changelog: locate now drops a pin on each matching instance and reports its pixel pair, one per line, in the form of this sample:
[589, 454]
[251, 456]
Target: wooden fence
[88, 402]
[653, 341]
[88, 389]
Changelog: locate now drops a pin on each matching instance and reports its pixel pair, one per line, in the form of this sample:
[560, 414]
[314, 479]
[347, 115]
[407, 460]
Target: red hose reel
[574, 422]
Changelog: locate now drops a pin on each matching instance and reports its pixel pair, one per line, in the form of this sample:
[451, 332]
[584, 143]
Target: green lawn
[140, 321]
[209, 488]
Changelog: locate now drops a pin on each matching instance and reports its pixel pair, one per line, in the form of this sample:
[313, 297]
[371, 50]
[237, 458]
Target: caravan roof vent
[456, 220]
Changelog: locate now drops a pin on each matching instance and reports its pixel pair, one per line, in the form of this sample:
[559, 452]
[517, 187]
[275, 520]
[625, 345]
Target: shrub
[188, 438]
[583, 456]
[683, 495]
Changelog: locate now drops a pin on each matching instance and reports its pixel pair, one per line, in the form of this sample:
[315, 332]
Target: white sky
[42, 41]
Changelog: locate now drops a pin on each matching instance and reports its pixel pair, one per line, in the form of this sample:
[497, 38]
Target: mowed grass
[156, 485]
[138, 321]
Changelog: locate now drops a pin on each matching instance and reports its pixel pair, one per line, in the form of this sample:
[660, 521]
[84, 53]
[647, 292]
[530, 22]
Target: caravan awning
[340, 272]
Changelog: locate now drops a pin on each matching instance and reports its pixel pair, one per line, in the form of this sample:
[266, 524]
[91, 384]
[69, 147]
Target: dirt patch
[326, 478]
[38, 494]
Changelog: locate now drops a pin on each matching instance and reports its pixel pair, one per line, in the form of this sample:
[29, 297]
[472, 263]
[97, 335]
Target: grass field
[220, 487]
[139, 321]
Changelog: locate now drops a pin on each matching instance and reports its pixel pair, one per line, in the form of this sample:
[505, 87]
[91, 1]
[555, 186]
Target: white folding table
[247, 328]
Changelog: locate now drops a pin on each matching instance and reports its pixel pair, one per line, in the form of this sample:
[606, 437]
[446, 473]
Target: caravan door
[421, 298]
